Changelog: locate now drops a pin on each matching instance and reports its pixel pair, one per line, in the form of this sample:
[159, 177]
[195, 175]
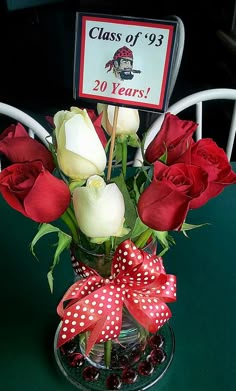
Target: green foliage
[130, 210]
[138, 229]
[165, 239]
[64, 241]
[77, 183]
[187, 227]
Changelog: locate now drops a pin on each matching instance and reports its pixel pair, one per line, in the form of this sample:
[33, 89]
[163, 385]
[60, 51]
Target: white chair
[34, 127]
[197, 99]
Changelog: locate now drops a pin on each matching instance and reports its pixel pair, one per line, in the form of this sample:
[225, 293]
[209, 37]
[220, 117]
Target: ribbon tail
[74, 293]
[151, 315]
[92, 340]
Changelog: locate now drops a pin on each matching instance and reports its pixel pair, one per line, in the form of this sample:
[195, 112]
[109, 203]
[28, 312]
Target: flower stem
[66, 218]
[143, 238]
[72, 216]
[107, 353]
[124, 156]
[107, 248]
[113, 138]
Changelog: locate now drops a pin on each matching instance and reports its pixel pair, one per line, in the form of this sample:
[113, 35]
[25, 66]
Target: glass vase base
[146, 370]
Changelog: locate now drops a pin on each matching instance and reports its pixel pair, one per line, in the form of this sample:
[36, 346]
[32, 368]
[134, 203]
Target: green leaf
[130, 210]
[142, 180]
[50, 280]
[134, 141]
[187, 227]
[108, 145]
[136, 190]
[164, 239]
[64, 241]
[44, 229]
[99, 240]
[138, 228]
[142, 147]
[148, 172]
[163, 157]
[76, 183]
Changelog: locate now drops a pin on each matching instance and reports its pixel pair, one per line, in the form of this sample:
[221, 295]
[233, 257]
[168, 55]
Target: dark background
[37, 48]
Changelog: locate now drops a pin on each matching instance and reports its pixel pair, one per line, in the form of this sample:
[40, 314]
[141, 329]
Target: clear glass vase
[127, 348]
[130, 359]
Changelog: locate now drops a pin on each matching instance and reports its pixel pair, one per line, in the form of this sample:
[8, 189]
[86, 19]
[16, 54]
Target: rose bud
[99, 208]
[209, 156]
[174, 137]
[80, 153]
[164, 204]
[17, 146]
[128, 120]
[33, 191]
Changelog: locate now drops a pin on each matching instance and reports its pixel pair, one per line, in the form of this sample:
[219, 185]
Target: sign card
[123, 61]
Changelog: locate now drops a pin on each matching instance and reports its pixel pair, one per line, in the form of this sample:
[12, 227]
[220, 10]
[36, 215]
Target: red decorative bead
[113, 382]
[124, 362]
[68, 348]
[156, 341]
[129, 376]
[136, 354]
[145, 368]
[90, 373]
[156, 356]
[76, 360]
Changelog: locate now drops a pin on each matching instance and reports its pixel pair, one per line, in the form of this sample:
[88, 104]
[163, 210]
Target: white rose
[99, 208]
[128, 120]
[80, 153]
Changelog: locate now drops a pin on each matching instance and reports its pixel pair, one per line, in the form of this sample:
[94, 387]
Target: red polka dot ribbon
[138, 280]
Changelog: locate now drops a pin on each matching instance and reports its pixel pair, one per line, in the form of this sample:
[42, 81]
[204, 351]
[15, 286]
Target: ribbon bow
[138, 280]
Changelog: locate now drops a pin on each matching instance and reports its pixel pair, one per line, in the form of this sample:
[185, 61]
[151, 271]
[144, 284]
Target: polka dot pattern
[80, 268]
[136, 268]
[95, 304]
[97, 309]
[150, 312]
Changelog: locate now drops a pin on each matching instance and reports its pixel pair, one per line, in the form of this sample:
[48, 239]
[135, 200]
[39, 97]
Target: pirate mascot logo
[122, 64]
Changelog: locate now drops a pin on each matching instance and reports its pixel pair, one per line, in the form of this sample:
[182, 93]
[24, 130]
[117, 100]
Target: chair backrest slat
[232, 131]
[31, 133]
[199, 120]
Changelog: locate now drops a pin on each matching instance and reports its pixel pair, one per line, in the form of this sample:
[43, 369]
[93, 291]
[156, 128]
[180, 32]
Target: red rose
[12, 131]
[34, 191]
[97, 120]
[208, 155]
[164, 204]
[175, 136]
[18, 147]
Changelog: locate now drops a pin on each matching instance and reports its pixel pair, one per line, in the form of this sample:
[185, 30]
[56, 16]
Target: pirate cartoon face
[122, 64]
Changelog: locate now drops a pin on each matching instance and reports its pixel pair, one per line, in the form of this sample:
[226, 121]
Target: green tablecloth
[204, 319]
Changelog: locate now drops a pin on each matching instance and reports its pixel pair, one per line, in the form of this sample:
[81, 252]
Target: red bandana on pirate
[123, 52]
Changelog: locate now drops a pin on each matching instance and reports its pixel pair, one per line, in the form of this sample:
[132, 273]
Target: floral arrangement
[83, 179]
